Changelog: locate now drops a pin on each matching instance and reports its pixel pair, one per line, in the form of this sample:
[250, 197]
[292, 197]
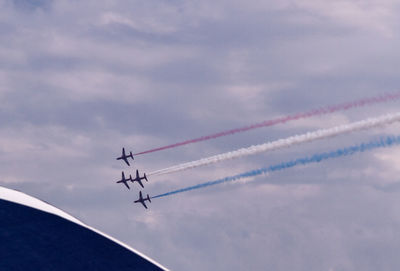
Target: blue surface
[31, 239]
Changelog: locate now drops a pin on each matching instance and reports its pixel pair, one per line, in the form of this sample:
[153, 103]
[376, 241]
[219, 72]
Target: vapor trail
[283, 143]
[315, 112]
[383, 142]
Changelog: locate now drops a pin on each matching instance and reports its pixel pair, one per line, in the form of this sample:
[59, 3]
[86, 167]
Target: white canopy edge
[24, 199]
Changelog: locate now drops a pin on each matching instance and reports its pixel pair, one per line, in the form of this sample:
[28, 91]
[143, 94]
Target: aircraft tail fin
[145, 177]
[131, 155]
[148, 198]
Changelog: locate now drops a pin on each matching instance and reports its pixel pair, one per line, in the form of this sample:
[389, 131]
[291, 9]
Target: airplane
[138, 178]
[125, 157]
[142, 200]
[125, 180]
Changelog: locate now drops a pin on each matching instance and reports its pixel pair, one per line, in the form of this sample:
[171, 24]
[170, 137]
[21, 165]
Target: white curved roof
[24, 199]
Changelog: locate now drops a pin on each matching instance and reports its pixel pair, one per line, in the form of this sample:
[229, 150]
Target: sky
[79, 80]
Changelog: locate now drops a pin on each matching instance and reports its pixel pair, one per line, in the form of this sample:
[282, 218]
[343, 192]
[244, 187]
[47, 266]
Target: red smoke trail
[316, 112]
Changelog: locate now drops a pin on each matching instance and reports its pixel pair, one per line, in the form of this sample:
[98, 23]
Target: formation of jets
[124, 180]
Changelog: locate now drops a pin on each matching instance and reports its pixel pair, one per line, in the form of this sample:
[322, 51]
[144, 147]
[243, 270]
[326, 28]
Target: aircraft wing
[124, 184]
[126, 161]
[144, 204]
[140, 182]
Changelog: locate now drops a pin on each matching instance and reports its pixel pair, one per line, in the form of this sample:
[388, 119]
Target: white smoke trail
[286, 142]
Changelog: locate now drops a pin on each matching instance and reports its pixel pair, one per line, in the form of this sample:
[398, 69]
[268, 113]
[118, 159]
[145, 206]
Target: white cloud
[81, 79]
[390, 161]
[146, 25]
[369, 15]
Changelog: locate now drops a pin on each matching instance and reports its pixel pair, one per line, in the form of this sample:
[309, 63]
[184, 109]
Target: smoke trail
[321, 111]
[287, 142]
[316, 158]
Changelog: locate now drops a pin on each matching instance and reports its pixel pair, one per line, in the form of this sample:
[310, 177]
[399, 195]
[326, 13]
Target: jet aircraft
[125, 180]
[142, 200]
[139, 179]
[125, 157]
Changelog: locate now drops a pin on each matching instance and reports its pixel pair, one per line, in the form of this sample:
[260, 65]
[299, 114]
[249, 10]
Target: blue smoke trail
[316, 158]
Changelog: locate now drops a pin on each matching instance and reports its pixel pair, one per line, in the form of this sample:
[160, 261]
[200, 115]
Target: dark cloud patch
[27, 5]
[6, 29]
[49, 62]
[389, 188]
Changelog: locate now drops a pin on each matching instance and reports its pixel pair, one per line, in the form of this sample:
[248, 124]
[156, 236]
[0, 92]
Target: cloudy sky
[81, 79]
